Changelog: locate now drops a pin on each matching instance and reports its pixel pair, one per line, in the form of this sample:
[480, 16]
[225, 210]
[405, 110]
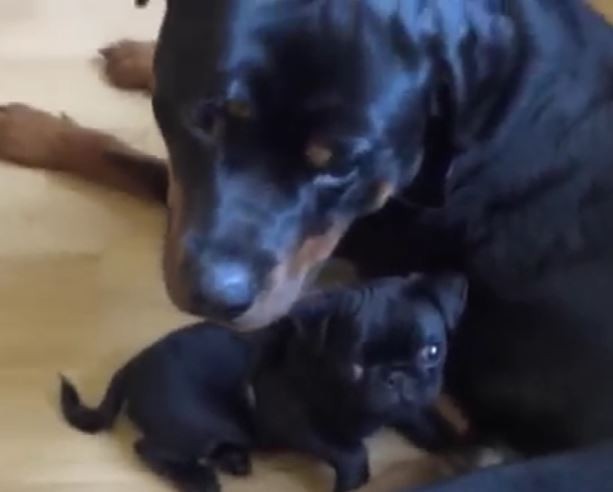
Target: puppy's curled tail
[92, 420]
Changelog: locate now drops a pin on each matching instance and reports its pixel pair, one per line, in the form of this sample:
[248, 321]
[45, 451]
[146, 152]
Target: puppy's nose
[228, 287]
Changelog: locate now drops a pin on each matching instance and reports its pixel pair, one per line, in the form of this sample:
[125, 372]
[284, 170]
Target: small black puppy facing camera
[340, 366]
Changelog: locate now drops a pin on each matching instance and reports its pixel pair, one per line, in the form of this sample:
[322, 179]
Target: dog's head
[379, 346]
[285, 120]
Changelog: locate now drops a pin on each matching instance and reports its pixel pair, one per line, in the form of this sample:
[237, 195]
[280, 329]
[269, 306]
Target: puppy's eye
[431, 353]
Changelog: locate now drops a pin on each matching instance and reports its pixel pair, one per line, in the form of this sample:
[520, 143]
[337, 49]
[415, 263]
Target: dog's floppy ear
[467, 43]
[451, 292]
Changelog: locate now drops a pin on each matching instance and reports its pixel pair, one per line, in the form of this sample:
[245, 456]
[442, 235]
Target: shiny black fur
[586, 470]
[507, 106]
[340, 366]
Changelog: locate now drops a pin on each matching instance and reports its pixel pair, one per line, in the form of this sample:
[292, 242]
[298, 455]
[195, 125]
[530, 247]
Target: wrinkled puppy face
[381, 345]
[408, 323]
[277, 146]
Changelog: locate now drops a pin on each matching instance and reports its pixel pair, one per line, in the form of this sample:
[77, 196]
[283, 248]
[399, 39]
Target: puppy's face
[406, 325]
[382, 345]
[414, 380]
[300, 128]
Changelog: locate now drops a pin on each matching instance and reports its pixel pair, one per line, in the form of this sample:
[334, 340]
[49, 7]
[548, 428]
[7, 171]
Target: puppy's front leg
[183, 471]
[351, 467]
[232, 459]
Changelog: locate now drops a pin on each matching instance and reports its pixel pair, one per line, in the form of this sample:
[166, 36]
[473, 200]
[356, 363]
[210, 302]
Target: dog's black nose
[228, 287]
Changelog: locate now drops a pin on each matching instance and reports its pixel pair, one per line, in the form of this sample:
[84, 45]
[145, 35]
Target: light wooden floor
[80, 285]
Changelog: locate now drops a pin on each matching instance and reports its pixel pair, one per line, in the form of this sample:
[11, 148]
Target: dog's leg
[350, 463]
[129, 64]
[185, 473]
[36, 139]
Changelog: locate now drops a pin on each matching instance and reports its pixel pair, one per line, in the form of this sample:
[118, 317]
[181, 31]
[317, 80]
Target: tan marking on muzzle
[287, 280]
[383, 193]
[174, 252]
[315, 249]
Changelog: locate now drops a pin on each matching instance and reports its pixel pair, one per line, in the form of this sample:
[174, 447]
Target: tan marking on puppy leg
[128, 64]
[174, 249]
[37, 139]
[453, 414]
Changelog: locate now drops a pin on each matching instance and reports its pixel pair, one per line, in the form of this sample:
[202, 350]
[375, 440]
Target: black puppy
[340, 366]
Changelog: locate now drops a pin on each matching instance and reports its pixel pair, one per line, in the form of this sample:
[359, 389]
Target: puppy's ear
[451, 292]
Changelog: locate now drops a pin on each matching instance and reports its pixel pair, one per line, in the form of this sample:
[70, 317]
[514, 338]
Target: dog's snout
[227, 287]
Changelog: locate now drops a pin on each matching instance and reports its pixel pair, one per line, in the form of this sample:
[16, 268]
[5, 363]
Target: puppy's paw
[128, 64]
[233, 460]
[200, 480]
[31, 137]
[352, 476]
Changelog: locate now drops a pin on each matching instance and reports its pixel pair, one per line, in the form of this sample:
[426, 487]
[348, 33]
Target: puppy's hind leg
[184, 472]
[232, 459]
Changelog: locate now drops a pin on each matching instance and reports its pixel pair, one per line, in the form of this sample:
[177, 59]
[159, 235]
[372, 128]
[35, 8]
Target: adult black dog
[332, 107]
[288, 120]
[340, 366]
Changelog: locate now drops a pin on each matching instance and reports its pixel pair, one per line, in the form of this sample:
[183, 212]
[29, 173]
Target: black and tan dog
[341, 365]
[288, 120]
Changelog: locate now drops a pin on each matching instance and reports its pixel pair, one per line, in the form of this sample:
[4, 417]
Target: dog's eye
[241, 110]
[337, 162]
[207, 119]
[431, 353]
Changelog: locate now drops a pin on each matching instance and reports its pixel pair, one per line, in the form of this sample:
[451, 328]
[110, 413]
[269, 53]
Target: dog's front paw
[129, 64]
[31, 137]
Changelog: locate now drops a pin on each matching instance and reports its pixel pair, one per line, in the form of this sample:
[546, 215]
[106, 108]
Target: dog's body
[341, 366]
[585, 470]
[510, 114]
[498, 113]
